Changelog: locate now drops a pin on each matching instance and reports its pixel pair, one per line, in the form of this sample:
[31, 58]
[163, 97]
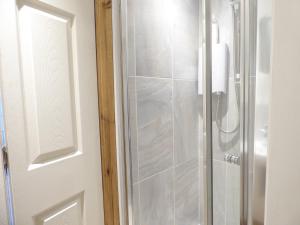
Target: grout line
[153, 175]
[183, 79]
[172, 167]
[154, 77]
[186, 161]
[163, 78]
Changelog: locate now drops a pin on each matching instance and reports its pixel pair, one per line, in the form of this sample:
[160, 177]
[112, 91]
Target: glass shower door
[187, 96]
[224, 84]
[230, 75]
[226, 111]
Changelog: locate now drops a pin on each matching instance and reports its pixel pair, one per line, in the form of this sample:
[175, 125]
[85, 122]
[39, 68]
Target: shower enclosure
[195, 103]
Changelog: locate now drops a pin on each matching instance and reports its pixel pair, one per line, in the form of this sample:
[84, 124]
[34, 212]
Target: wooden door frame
[107, 111]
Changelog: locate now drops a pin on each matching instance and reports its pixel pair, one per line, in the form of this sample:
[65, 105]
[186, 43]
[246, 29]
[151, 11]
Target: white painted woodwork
[283, 164]
[67, 213]
[46, 57]
[49, 85]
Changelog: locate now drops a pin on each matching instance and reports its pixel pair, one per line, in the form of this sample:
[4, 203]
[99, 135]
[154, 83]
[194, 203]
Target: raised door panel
[48, 82]
[68, 213]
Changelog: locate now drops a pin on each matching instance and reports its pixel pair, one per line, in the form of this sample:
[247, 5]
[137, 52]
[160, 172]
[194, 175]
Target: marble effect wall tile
[131, 50]
[136, 204]
[232, 194]
[153, 38]
[185, 38]
[155, 127]
[201, 191]
[187, 121]
[156, 199]
[219, 178]
[132, 111]
[187, 193]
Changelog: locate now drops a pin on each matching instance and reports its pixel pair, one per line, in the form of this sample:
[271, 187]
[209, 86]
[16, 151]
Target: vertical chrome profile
[127, 182]
[207, 113]
[243, 155]
[119, 19]
[245, 61]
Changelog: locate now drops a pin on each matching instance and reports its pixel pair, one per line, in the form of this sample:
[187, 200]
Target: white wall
[283, 169]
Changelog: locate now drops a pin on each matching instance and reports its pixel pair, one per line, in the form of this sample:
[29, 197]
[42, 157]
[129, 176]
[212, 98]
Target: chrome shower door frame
[248, 28]
[248, 69]
[245, 68]
[207, 114]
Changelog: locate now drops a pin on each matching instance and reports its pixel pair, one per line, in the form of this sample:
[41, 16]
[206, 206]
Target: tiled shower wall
[165, 117]
[165, 121]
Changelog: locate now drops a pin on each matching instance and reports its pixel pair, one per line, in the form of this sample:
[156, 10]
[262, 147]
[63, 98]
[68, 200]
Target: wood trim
[105, 71]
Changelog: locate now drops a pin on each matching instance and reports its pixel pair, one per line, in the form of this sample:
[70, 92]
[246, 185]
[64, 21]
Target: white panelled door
[49, 87]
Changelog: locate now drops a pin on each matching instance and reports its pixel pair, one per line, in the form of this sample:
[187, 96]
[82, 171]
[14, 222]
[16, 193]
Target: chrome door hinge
[5, 157]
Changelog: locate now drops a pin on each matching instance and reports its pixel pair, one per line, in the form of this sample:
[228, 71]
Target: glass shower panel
[170, 99]
[164, 111]
[226, 111]
[260, 107]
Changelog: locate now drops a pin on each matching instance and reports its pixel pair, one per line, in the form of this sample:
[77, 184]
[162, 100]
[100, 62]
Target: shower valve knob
[232, 158]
